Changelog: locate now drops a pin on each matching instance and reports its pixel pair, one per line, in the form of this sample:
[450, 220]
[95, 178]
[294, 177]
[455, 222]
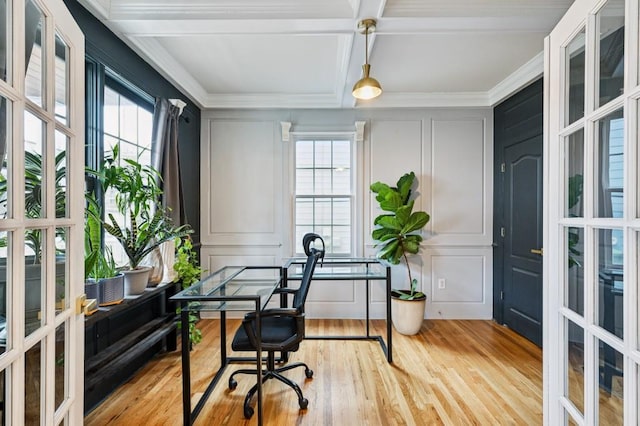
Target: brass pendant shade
[367, 87]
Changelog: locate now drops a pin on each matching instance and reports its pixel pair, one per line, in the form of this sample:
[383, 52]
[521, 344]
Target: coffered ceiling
[309, 54]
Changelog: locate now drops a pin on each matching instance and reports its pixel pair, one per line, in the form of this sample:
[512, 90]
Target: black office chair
[282, 330]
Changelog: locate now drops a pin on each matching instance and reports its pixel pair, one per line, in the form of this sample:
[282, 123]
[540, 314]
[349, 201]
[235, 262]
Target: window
[323, 192]
[128, 119]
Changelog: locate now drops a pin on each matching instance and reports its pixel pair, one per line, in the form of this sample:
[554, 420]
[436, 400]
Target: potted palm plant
[398, 235]
[144, 225]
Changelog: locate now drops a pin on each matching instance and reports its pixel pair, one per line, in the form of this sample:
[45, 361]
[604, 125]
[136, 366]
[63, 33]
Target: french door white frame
[57, 20]
[558, 409]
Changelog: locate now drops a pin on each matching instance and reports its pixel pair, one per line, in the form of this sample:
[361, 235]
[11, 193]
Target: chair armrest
[275, 312]
[285, 290]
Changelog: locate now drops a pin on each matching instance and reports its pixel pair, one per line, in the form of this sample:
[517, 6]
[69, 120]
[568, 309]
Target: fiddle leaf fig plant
[397, 232]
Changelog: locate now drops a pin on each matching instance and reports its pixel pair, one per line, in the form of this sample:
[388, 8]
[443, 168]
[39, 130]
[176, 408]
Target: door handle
[538, 251]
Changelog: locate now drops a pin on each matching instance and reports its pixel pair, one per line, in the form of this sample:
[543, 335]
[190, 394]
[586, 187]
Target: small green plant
[189, 272]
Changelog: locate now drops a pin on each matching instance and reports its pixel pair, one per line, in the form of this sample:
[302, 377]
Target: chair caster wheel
[309, 373]
[232, 384]
[248, 412]
[304, 403]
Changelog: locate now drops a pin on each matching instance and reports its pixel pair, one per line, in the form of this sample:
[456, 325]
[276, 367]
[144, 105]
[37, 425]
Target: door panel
[523, 233]
[518, 212]
[591, 278]
[41, 213]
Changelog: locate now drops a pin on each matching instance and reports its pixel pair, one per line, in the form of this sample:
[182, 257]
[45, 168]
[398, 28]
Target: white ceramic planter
[407, 315]
[135, 280]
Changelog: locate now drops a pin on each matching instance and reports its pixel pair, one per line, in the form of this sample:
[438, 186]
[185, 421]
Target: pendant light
[367, 87]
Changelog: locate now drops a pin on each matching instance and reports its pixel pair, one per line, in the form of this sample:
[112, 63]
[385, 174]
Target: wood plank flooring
[451, 373]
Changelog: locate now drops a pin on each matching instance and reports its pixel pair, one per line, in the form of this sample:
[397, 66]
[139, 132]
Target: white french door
[41, 213]
[592, 216]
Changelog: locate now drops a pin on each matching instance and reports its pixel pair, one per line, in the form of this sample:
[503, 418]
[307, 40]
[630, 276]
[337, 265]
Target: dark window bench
[120, 339]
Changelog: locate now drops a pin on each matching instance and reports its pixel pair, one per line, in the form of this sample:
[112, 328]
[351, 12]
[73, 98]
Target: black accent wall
[101, 45]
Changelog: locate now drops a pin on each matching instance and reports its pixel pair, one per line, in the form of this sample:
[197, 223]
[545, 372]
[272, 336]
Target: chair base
[272, 373]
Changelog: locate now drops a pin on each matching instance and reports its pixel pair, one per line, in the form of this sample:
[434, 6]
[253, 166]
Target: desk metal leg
[259, 361]
[186, 369]
[389, 343]
[367, 292]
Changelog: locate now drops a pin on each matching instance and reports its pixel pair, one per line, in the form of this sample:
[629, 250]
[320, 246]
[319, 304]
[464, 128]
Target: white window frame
[354, 196]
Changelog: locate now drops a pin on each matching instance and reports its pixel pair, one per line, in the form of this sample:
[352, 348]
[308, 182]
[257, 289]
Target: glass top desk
[232, 288]
[348, 269]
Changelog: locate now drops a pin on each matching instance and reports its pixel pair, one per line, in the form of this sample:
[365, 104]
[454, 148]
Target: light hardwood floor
[452, 373]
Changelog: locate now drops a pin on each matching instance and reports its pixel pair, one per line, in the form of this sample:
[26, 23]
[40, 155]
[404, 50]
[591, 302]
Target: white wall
[247, 198]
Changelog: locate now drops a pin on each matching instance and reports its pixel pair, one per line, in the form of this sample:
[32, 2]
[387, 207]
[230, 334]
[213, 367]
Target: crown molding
[427, 100]
[98, 8]
[517, 80]
[270, 101]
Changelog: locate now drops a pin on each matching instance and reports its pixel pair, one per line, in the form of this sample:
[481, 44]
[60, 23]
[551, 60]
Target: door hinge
[503, 168]
[501, 295]
[502, 232]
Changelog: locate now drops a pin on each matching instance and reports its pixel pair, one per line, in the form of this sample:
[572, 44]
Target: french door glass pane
[574, 108]
[611, 40]
[5, 110]
[637, 139]
[34, 278]
[574, 288]
[34, 130]
[32, 384]
[4, 388]
[59, 361]
[637, 303]
[5, 282]
[610, 166]
[574, 174]
[60, 189]
[36, 69]
[62, 280]
[611, 391]
[610, 280]
[62, 80]
[5, 27]
[574, 386]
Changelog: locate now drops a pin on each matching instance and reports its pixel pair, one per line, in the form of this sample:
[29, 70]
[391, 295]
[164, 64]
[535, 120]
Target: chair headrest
[306, 243]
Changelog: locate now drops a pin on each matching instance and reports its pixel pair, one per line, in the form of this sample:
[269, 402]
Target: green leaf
[391, 202]
[388, 252]
[416, 221]
[390, 222]
[379, 187]
[404, 186]
[403, 214]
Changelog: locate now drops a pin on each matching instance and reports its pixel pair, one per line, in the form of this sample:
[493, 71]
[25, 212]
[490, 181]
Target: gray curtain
[164, 157]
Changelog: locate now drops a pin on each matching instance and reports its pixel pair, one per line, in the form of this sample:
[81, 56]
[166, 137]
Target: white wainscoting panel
[242, 181]
[468, 282]
[460, 182]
